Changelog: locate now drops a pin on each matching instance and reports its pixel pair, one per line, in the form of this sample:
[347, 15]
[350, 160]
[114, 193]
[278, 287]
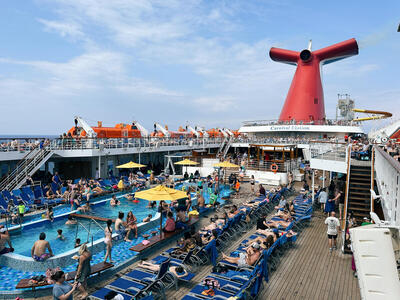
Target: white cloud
[216, 104]
[65, 29]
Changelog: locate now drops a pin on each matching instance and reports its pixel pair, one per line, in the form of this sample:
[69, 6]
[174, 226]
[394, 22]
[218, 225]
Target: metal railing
[155, 142]
[25, 167]
[387, 171]
[328, 151]
[294, 122]
[265, 165]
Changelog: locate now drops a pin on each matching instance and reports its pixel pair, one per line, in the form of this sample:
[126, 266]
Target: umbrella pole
[161, 221]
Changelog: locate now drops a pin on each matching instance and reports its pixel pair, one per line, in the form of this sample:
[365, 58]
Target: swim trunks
[6, 250]
[42, 257]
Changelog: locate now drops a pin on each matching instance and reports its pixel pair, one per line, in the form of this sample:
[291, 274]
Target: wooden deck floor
[309, 271]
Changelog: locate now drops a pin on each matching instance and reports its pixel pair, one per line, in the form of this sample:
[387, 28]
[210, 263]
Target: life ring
[274, 168]
[384, 139]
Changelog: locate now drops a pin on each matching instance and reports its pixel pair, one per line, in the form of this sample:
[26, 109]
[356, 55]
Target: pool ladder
[88, 230]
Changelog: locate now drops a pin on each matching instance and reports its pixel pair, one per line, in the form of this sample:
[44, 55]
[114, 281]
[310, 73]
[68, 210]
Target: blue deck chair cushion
[100, 294]
[126, 284]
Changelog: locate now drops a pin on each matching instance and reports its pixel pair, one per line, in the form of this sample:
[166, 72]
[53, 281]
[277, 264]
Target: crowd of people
[393, 149]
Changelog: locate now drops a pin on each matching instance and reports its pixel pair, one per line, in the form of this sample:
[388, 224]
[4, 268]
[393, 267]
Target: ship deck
[307, 271]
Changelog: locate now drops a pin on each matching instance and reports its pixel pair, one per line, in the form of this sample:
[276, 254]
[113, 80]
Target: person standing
[108, 240]
[252, 183]
[84, 270]
[323, 197]
[333, 228]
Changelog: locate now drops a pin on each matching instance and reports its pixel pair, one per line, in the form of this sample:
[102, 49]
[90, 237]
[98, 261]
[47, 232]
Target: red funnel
[305, 99]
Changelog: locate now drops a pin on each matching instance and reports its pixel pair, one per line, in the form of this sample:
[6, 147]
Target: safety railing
[23, 168]
[90, 234]
[294, 122]
[119, 143]
[328, 151]
[270, 166]
[387, 172]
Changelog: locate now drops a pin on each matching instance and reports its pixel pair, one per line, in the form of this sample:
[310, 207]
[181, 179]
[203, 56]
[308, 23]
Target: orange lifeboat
[120, 130]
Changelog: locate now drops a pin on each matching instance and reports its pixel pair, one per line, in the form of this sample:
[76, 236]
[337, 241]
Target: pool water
[120, 251]
[107, 211]
[23, 240]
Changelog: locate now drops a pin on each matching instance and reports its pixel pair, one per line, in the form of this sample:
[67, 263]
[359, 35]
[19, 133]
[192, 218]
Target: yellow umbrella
[186, 162]
[226, 164]
[159, 193]
[130, 165]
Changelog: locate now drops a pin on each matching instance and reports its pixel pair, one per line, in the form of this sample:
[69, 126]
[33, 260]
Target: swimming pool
[23, 240]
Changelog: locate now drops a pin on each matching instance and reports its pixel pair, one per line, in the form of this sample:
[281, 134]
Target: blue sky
[201, 62]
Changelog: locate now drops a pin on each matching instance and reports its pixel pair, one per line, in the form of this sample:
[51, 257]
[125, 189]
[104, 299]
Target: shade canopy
[186, 162]
[226, 164]
[130, 165]
[159, 193]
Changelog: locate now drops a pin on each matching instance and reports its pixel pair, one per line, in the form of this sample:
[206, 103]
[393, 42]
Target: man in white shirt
[333, 228]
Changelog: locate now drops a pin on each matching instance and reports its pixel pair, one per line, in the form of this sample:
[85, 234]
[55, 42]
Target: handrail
[23, 168]
[344, 216]
[346, 198]
[372, 177]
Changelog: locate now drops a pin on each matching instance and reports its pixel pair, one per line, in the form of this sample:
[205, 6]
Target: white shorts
[242, 260]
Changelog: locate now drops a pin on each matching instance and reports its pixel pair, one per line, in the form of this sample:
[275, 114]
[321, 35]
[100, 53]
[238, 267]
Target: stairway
[227, 146]
[27, 166]
[359, 195]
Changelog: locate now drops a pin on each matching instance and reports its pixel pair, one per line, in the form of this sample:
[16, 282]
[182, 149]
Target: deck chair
[147, 276]
[189, 262]
[10, 197]
[100, 294]
[127, 285]
[38, 195]
[28, 191]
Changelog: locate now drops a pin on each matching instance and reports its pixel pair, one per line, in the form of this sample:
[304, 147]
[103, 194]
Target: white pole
[323, 178]
[99, 165]
[312, 184]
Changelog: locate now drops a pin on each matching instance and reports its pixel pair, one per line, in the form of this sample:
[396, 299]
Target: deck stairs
[224, 147]
[27, 166]
[359, 185]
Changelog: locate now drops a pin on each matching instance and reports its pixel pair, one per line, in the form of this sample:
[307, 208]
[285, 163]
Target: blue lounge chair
[146, 276]
[127, 285]
[7, 195]
[100, 294]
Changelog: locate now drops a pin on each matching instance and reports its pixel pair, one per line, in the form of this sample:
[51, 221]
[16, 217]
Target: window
[315, 100]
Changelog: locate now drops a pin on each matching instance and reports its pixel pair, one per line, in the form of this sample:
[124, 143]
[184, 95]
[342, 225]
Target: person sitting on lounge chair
[245, 259]
[178, 271]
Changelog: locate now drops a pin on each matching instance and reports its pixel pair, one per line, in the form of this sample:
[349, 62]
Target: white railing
[387, 171]
[328, 151]
[266, 166]
[114, 143]
[294, 122]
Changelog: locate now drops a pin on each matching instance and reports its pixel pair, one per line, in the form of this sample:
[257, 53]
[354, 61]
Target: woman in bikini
[131, 224]
[108, 240]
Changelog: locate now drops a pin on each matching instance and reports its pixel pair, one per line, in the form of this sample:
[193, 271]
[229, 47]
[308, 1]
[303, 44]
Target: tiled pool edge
[24, 263]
